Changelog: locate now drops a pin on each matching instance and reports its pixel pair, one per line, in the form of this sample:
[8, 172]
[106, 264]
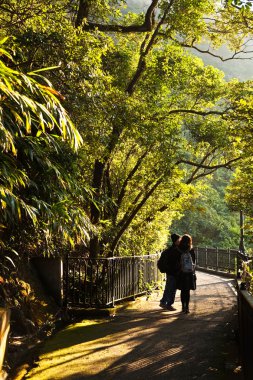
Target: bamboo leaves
[33, 106]
[35, 133]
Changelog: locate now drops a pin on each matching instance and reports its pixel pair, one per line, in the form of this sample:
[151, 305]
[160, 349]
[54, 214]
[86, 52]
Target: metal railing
[101, 282]
[216, 259]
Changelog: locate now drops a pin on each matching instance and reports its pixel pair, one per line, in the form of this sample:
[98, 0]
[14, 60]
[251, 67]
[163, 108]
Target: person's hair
[185, 243]
[174, 237]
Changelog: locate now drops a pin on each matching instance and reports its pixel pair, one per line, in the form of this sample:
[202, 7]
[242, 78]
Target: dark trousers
[169, 291]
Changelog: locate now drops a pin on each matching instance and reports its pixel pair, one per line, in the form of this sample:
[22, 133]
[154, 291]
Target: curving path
[144, 341]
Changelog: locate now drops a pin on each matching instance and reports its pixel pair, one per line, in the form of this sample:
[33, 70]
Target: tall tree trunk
[97, 183]
[82, 13]
[94, 206]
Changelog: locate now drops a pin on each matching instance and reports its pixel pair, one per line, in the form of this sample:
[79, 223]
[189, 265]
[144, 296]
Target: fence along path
[101, 282]
[144, 341]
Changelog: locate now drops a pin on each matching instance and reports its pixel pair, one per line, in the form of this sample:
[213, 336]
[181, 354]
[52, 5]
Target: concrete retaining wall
[50, 272]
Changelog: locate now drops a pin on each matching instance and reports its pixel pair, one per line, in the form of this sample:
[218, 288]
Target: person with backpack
[187, 278]
[169, 263]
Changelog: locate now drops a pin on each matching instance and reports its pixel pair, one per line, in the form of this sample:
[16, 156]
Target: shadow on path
[146, 342]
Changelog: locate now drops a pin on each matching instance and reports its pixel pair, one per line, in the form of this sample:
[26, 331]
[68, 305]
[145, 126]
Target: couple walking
[180, 272]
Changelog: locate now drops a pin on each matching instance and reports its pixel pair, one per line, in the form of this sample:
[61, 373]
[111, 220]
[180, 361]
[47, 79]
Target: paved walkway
[144, 341]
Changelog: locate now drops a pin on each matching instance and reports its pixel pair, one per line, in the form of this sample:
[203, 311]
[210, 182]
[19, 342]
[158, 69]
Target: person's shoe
[163, 305]
[187, 311]
[170, 308]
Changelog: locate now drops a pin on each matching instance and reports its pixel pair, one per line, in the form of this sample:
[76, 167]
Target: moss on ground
[64, 348]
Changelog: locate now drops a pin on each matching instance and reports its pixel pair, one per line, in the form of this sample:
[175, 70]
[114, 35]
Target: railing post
[197, 255]
[229, 261]
[66, 282]
[148, 270]
[238, 264]
[206, 257]
[133, 275]
[217, 258]
[113, 281]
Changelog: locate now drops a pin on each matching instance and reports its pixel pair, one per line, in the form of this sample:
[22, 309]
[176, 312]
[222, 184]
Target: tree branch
[133, 214]
[133, 205]
[194, 176]
[144, 51]
[201, 113]
[128, 178]
[208, 154]
[147, 25]
[200, 175]
[207, 51]
[211, 167]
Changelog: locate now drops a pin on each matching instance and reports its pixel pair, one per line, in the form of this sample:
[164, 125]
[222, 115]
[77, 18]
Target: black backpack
[163, 261]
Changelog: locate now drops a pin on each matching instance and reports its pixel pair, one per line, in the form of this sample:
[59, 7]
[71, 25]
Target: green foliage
[207, 217]
[153, 119]
[239, 197]
[38, 144]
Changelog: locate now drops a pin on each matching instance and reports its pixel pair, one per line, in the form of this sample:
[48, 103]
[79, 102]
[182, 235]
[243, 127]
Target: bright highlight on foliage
[154, 120]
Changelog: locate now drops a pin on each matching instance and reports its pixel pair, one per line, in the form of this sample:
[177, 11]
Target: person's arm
[193, 255]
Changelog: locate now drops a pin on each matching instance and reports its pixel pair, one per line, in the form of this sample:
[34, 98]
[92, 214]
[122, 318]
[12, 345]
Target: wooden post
[4, 331]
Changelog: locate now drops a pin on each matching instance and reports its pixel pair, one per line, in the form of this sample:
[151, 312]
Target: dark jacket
[173, 261]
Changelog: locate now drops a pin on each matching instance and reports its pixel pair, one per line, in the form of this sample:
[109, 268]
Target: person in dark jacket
[173, 267]
[186, 278]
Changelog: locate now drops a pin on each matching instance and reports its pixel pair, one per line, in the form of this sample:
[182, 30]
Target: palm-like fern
[35, 183]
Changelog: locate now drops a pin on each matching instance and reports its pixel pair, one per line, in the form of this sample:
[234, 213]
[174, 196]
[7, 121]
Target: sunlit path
[145, 342]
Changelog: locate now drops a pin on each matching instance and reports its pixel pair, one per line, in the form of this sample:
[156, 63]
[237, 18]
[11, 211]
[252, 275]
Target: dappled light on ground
[147, 342]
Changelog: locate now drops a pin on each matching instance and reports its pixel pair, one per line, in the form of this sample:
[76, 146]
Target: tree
[239, 197]
[153, 119]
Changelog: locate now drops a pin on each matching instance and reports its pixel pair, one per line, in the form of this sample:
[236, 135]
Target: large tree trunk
[82, 13]
[97, 183]
[94, 206]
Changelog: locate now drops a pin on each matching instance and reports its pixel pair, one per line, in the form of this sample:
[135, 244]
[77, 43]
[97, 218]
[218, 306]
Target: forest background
[113, 130]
